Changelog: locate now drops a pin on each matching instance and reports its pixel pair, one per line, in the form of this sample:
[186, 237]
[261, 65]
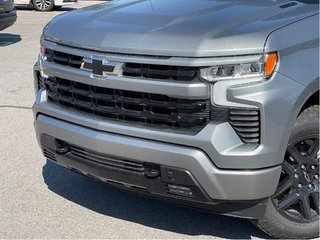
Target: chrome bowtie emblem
[99, 66]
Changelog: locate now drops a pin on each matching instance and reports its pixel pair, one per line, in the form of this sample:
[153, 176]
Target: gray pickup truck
[210, 104]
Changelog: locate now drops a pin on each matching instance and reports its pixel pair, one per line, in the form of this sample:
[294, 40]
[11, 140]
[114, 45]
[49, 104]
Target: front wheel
[43, 5]
[293, 211]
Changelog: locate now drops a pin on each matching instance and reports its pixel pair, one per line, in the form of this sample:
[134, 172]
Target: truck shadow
[142, 210]
[7, 39]
[30, 8]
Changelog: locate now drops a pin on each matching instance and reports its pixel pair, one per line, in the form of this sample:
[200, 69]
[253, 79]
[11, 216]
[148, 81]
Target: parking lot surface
[41, 200]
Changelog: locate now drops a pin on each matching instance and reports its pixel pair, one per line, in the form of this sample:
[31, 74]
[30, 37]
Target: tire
[293, 211]
[43, 5]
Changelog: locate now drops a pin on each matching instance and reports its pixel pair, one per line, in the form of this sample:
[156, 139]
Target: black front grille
[123, 164]
[166, 72]
[136, 70]
[40, 84]
[150, 109]
[64, 59]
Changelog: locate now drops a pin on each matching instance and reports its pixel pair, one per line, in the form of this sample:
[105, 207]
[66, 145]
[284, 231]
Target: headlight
[42, 51]
[263, 68]
[42, 57]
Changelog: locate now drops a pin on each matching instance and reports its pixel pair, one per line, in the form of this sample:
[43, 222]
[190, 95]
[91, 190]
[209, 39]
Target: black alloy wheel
[292, 211]
[297, 195]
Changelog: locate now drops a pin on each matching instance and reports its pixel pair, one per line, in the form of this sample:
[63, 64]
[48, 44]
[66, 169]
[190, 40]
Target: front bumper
[214, 183]
[7, 19]
[222, 167]
[276, 99]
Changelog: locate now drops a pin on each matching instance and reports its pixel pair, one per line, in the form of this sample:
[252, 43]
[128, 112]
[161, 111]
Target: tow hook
[152, 173]
[62, 147]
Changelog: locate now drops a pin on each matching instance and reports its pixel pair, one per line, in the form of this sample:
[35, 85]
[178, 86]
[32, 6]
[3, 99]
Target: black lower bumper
[165, 182]
[7, 19]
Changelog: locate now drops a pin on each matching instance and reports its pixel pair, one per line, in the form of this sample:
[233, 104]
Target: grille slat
[136, 70]
[243, 118]
[90, 154]
[244, 113]
[63, 58]
[117, 163]
[166, 72]
[246, 123]
[49, 154]
[248, 130]
[154, 110]
[248, 135]
[123, 164]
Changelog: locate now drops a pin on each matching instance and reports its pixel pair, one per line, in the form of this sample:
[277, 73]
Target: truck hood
[187, 28]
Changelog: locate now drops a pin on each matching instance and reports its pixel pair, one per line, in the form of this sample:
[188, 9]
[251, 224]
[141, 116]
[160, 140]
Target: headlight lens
[42, 51]
[264, 68]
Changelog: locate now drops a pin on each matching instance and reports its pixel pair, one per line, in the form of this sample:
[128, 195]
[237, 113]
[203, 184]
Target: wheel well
[312, 100]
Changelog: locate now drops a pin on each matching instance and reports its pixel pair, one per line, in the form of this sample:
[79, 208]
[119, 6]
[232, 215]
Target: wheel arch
[305, 99]
[312, 100]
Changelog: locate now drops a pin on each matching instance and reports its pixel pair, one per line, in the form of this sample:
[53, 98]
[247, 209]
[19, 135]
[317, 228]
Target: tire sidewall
[290, 229]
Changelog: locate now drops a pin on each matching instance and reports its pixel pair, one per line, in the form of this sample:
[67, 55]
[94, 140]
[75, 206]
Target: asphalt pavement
[39, 200]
